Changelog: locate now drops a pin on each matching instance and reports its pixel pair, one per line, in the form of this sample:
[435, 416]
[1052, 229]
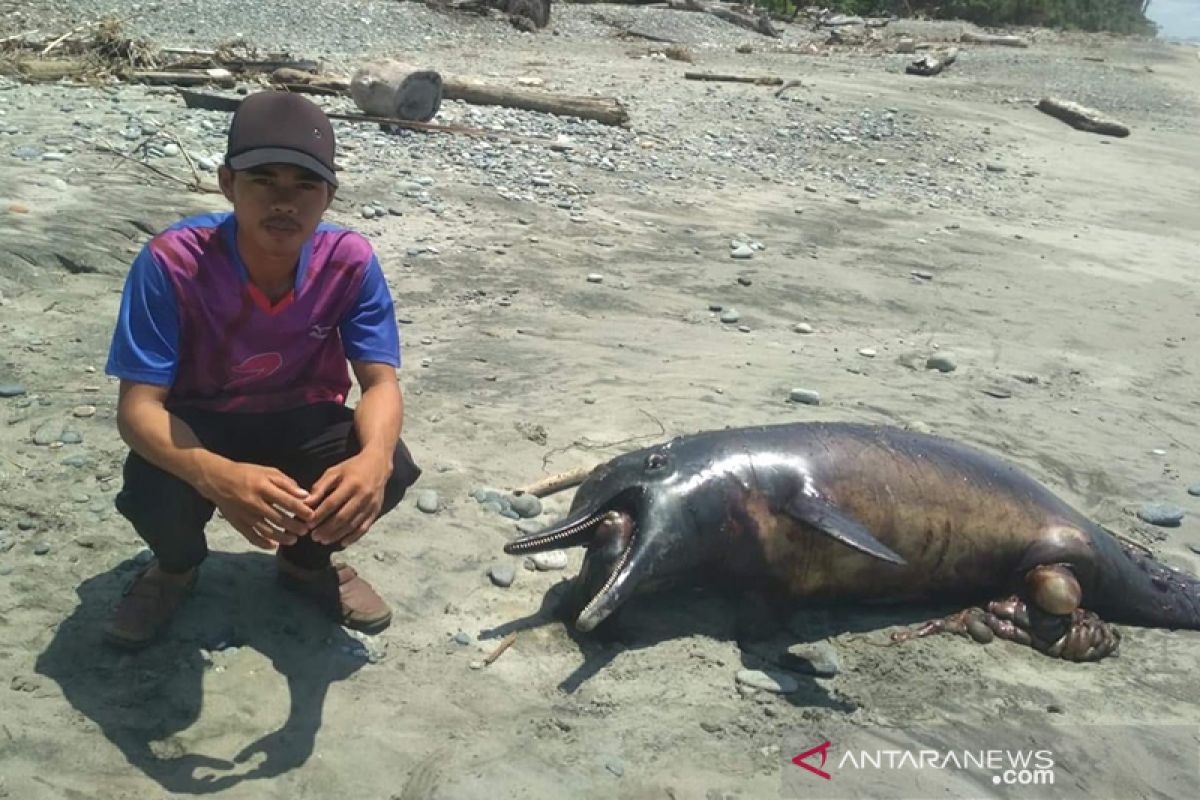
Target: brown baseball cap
[281, 128]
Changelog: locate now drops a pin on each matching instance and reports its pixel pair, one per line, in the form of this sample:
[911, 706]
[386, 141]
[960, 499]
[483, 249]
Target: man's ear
[225, 180]
[332, 194]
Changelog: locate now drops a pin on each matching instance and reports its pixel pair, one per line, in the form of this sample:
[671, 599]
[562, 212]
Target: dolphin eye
[656, 461]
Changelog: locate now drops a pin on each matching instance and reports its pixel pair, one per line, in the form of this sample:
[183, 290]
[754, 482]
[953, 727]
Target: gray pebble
[11, 390]
[208, 164]
[48, 433]
[942, 363]
[527, 505]
[368, 212]
[1194, 490]
[802, 327]
[1161, 514]
[26, 524]
[462, 638]
[615, 768]
[428, 502]
[730, 316]
[997, 168]
[503, 575]
[742, 251]
[595, 277]
[807, 396]
[41, 548]
[395, 211]
[71, 437]
[768, 681]
[527, 527]
[818, 659]
[78, 460]
[744, 328]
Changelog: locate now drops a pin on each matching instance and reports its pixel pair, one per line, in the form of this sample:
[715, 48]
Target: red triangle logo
[823, 749]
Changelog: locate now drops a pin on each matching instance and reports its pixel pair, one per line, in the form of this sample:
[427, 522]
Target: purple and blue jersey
[191, 319]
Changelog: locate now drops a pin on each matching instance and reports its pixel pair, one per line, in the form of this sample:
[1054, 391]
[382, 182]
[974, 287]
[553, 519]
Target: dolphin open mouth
[609, 533]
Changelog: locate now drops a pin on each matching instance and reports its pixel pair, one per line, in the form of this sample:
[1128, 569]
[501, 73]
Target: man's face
[278, 206]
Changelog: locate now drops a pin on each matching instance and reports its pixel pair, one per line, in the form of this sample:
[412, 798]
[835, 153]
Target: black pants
[171, 516]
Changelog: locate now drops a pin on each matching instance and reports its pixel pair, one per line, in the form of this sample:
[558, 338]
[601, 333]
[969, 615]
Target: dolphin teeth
[556, 540]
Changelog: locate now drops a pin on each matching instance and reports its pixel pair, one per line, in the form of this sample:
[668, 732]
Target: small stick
[788, 85]
[157, 171]
[64, 37]
[500, 648]
[552, 484]
[16, 36]
[188, 157]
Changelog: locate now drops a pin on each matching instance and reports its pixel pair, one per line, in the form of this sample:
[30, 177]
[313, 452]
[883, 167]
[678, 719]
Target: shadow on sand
[763, 635]
[142, 701]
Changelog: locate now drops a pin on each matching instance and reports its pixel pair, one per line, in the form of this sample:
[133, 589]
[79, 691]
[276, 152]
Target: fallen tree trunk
[219, 77]
[1082, 117]
[761, 24]
[987, 38]
[214, 102]
[375, 83]
[706, 76]
[933, 63]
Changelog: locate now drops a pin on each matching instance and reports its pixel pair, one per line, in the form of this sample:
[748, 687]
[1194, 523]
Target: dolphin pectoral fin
[832, 521]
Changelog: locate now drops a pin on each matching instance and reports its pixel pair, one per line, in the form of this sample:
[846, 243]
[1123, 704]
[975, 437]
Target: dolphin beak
[603, 579]
[571, 532]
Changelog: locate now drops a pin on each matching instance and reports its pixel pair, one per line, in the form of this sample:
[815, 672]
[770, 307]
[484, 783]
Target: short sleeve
[369, 331]
[145, 342]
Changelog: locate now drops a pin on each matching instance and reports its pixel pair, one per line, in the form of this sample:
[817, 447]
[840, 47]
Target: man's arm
[247, 494]
[346, 499]
[379, 416]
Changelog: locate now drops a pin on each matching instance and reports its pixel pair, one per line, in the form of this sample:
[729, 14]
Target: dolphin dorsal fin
[832, 521]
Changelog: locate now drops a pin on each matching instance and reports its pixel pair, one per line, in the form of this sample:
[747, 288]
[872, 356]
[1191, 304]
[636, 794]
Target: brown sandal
[148, 605]
[339, 589]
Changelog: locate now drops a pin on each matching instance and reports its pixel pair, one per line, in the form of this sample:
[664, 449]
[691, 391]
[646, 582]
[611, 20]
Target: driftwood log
[708, 76]
[987, 38]
[933, 63]
[760, 24]
[1082, 117]
[215, 102]
[379, 78]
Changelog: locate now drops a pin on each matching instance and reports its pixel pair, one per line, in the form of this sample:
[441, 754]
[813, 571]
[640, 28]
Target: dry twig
[506, 643]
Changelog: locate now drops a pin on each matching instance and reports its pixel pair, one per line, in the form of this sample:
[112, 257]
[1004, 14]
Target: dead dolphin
[854, 511]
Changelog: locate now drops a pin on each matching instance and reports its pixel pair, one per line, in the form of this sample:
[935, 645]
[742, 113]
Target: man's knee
[152, 498]
[405, 473]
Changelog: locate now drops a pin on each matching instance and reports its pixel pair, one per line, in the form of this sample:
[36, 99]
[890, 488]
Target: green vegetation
[1117, 16]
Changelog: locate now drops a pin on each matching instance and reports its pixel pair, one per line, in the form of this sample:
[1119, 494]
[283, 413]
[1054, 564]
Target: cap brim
[281, 155]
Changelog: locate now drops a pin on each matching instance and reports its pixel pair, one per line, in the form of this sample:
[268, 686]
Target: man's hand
[261, 503]
[347, 498]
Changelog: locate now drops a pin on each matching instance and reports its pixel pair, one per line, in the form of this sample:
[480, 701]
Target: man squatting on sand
[231, 346]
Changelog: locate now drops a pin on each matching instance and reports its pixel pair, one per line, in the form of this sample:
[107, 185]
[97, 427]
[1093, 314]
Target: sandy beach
[892, 218]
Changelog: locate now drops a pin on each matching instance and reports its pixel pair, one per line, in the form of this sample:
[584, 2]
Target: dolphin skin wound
[845, 511]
